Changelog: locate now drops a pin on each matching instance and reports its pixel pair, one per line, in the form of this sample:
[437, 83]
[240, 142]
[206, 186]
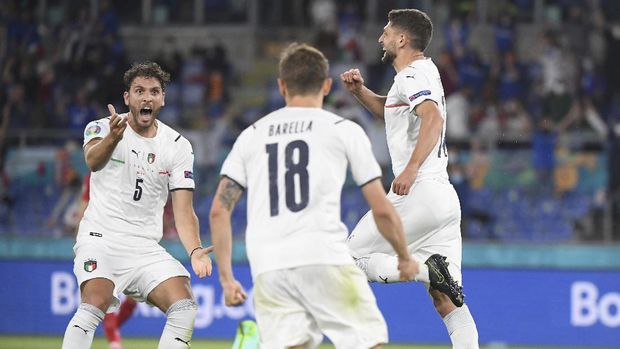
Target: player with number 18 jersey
[293, 163]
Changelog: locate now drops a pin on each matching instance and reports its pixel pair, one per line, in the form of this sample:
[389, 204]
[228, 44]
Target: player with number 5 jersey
[129, 193]
[136, 160]
[293, 163]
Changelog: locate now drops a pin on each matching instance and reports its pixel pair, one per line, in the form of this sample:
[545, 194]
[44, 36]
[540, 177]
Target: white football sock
[382, 267]
[177, 333]
[462, 328]
[81, 329]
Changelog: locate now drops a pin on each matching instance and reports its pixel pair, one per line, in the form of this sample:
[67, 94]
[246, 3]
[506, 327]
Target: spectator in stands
[511, 78]
[614, 159]
[19, 109]
[458, 107]
[472, 72]
[448, 72]
[80, 111]
[63, 218]
[5, 195]
[544, 141]
[516, 124]
[488, 130]
[504, 32]
[557, 74]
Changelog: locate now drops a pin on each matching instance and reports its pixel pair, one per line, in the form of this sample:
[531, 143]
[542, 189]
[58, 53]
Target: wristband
[194, 250]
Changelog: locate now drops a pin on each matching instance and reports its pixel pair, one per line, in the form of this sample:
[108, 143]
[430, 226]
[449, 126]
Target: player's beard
[145, 121]
[388, 57]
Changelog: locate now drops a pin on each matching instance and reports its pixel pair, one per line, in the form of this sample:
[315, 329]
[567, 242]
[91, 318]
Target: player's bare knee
[98, 300]
[98, 292]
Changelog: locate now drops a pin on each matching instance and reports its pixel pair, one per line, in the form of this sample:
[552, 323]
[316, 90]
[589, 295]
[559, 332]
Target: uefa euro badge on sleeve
[247, 336]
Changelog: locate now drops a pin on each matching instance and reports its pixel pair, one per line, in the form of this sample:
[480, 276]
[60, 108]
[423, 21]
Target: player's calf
[177, 333]
[81, 329]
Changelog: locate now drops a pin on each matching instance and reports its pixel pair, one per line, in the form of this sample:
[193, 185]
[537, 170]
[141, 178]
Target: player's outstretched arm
[430, 134]
[391, 227]
[187, 225]
[98, 151]
[354, 82]
[225, 199]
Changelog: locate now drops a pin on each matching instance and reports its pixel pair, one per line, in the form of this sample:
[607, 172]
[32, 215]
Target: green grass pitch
[40, 342]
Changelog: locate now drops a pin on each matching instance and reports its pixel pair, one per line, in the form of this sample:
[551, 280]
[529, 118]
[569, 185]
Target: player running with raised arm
[415, 113]
[117, 248]
[293, 163]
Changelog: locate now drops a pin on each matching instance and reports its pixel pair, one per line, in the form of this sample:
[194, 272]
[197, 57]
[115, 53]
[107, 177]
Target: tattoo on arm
[230, 192]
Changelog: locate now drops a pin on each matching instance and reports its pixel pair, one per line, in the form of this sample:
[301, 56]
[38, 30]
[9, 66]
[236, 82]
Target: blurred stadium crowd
[531, 86]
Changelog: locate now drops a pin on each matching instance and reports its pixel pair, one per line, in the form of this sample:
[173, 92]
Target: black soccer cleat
[442, 281]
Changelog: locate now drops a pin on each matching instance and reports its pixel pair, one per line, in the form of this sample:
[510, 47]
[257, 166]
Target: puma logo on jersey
[135, 152]
[384, 279]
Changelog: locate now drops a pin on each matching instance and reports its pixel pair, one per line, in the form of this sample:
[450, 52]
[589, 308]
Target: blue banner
[528, 307]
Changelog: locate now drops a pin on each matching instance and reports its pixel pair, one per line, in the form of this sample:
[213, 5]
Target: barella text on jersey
[291, 127]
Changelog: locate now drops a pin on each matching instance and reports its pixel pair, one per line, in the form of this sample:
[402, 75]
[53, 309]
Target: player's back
[293, 163]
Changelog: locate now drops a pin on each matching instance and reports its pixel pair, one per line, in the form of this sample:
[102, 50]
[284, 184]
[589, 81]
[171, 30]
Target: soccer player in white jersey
[293, 164]
[117, 248]
[414, 112]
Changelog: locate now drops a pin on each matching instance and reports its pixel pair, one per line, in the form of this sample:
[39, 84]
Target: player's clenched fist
[233, 293]
[352, 80]
[118, 124]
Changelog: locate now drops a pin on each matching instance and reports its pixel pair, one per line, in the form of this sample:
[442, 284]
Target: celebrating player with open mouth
[117, 248]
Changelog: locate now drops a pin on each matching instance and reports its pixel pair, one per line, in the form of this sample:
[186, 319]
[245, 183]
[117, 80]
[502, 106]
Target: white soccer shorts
[295, 306]
[135, 271]
[431, 216]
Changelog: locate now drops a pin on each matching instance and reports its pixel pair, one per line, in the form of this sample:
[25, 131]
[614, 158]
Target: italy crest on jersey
[90, 265]
[150, 158]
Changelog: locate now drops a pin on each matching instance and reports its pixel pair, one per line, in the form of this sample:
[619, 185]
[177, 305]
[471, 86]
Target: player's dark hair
[303, 68]
[416, 24]
[146, 70]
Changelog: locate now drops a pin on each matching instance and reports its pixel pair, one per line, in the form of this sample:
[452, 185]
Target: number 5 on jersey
[294, 170]
[137, 194]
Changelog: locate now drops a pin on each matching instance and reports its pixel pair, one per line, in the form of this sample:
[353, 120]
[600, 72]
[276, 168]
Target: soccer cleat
[442, 281]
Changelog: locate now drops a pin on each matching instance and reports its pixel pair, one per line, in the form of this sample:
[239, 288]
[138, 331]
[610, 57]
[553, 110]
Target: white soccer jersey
[293, 163]
[128, 195]
[416, 83]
